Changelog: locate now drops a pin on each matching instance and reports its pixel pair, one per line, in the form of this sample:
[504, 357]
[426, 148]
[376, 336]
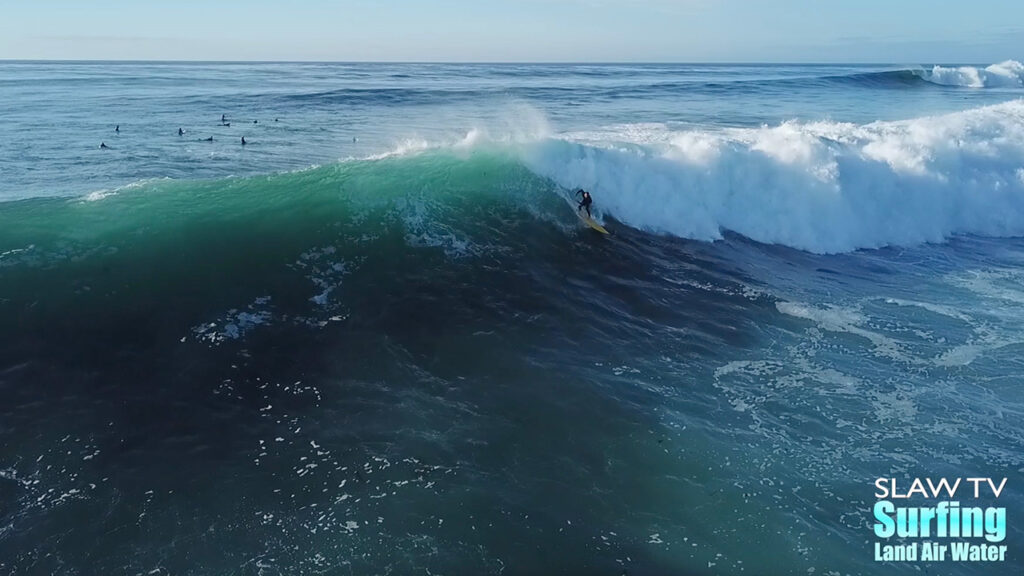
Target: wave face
[296, 236]
[1008, 74]
[819, 186]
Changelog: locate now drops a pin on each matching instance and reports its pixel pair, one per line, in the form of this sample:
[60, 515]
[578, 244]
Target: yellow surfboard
[590, 222]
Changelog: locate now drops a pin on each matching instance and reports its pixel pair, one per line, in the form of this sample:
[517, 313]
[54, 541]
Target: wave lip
[1008, 74]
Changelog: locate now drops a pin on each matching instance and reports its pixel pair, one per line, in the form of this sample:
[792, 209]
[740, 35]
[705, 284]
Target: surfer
[117, 128]
[243, 140]
[103, 146]
[210, 139]
[586, 202]
[181, 132]
[223, 118]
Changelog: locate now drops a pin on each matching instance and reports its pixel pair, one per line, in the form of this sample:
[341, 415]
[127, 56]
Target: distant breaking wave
[1008, 74]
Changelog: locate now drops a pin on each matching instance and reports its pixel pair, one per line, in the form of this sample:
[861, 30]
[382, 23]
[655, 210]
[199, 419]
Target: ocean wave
[885, 79]
[823, 187]
[1008, 74]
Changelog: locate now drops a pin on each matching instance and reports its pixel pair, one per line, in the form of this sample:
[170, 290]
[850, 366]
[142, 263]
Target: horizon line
[478, 62]
[510, 62]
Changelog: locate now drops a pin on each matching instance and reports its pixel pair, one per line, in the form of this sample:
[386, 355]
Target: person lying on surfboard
[585, 203]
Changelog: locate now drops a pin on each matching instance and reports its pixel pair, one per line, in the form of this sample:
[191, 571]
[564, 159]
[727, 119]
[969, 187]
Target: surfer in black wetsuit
[586, 202]
[103, 146]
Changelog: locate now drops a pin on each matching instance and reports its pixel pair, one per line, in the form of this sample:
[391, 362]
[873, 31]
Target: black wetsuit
[586, 202]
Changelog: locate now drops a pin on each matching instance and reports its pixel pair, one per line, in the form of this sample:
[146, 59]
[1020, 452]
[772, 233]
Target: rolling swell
[895, 79]
[215, 261]
[1008, 74]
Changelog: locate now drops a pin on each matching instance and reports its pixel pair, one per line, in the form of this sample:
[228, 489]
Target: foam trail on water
[823, 187]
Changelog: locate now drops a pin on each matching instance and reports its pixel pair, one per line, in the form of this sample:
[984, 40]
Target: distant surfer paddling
[585, 202]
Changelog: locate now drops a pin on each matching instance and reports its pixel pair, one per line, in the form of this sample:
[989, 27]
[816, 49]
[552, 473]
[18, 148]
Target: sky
[869, 31]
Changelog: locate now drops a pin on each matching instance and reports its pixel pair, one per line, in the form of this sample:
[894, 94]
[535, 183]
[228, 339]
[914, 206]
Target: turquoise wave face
[218, 243]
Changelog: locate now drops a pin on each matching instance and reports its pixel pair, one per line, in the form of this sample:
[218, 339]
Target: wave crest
[1008, 74]
[823, 187]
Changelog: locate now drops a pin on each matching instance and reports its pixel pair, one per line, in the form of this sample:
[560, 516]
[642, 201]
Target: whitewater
[818, 186]
[377, 339]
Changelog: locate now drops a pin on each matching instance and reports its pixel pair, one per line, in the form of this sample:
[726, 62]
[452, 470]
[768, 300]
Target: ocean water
[377, 340]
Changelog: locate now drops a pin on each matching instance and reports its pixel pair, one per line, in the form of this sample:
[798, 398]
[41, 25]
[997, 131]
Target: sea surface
[376, 339]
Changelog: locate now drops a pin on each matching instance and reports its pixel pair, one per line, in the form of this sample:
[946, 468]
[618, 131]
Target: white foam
[516, 123]
[1005, 74]
[406, 147]
[849, 321]
[14, 251]
[933, 308]
[960, 355]
[98, 195]
[822, 186]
